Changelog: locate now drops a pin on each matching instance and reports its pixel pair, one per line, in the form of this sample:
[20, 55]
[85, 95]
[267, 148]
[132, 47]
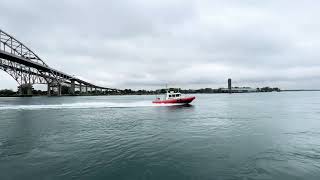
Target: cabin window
[169, 95]
[178, 95]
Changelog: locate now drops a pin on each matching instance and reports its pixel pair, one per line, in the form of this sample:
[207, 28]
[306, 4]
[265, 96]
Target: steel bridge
[27, 69]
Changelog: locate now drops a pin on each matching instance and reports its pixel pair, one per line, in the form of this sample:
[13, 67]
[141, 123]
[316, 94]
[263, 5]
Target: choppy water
[221, 136]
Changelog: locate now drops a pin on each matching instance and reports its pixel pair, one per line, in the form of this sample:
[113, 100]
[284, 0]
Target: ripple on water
[239, 136]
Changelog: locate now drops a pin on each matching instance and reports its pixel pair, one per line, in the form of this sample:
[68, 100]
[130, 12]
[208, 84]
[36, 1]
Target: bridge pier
[29, 91]
[86, 89]
[25, 89]
[80, 88]
[49, 90]
[59, 90]
[51, 87]
[73, 87]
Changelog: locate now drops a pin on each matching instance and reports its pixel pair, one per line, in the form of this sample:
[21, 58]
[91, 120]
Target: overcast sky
[186, 43]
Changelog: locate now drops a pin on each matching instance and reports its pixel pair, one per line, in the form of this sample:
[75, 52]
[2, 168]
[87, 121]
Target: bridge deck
[29, 63]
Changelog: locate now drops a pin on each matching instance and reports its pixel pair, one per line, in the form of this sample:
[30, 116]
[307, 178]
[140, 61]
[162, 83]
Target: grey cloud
[133, 44]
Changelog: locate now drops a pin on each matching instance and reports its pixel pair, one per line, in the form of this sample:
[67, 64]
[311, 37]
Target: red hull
[186, 100]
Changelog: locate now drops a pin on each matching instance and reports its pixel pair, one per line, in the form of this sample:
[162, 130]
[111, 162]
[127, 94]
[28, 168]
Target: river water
[220, 136]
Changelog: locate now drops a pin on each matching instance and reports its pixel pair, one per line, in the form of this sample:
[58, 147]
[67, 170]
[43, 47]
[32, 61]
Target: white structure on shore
[239, 90]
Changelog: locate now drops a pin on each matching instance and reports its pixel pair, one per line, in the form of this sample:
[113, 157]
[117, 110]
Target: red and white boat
[174, 98]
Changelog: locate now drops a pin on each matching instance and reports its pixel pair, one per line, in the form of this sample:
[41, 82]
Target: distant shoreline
[287, 90]
[301, 90]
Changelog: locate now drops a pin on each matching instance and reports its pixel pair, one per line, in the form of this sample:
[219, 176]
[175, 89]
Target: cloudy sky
[186, 43]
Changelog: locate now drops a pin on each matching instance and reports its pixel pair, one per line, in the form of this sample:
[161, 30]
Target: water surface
[221, 136]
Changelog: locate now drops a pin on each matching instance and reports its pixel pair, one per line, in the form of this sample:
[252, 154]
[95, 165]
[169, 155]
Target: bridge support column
[29, 90]
[49, 90]
[86, 89]
[95, 90]
[91, 89]
[59, 89]
[80, 88]
[73, 86]
[25, 89]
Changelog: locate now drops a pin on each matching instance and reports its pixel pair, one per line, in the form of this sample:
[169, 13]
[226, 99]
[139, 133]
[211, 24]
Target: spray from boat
[85, 105]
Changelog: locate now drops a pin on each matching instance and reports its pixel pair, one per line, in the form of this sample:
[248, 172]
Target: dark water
[221, 136]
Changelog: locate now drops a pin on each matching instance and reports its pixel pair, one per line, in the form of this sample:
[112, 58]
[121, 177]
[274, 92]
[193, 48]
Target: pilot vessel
[172, 97]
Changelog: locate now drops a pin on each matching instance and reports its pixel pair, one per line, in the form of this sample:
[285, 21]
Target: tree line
[65, 90]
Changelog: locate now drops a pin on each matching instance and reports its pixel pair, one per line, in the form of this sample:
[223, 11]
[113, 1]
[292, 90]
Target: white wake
[84, 105]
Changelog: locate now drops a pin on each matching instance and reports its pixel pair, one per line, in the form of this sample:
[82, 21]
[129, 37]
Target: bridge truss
[27, 68]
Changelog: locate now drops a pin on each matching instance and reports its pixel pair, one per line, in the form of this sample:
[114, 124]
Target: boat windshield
[173, 95]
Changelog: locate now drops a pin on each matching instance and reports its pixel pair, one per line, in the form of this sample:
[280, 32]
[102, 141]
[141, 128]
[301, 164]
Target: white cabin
[173, 95]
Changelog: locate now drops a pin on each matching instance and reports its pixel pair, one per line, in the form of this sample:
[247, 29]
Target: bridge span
[27, 68]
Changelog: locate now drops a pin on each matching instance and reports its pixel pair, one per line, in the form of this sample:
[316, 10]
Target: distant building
[229, 85]
[238, 90]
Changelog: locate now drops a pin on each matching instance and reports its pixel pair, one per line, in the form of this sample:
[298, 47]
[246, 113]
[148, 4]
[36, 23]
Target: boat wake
[87, 105]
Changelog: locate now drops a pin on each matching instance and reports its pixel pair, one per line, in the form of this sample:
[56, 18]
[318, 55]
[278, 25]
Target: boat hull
[185, 100]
